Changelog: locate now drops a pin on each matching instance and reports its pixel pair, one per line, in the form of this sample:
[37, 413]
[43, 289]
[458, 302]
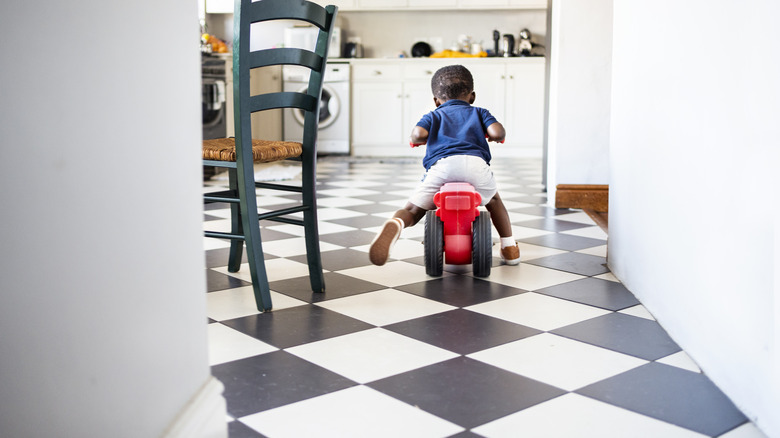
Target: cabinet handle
[428, 72]
[511, 77]
[377, 73]
[503, 76]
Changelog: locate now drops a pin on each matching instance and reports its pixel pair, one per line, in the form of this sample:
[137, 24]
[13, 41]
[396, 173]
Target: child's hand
[414, 145]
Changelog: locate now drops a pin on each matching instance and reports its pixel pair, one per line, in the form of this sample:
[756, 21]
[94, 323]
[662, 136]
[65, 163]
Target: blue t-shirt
[456, 128]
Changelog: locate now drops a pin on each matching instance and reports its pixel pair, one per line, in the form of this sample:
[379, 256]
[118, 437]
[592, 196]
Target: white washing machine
[333, 136]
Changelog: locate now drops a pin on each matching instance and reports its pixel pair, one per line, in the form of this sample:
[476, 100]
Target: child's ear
[436, 101]
[472, 97]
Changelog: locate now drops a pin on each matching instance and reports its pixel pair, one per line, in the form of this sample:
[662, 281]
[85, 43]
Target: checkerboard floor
[554, 347]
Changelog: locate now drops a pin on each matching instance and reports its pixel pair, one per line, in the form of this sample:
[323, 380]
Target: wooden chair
[240, 153]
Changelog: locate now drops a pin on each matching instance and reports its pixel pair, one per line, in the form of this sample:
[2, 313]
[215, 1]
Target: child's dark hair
[452, 82]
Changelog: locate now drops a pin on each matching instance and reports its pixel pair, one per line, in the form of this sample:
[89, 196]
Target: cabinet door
[344, 5]
[376, 114]
[418, 101]
[381, 4]
[432, 4]
[490, 88]
[525, 104]
[266, 125]
[219, 6]
[528, 4]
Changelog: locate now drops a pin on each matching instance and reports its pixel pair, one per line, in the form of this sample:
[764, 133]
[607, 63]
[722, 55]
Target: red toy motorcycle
[458, 232]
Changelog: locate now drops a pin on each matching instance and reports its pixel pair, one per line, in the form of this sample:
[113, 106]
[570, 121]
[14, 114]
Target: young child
[457, 150]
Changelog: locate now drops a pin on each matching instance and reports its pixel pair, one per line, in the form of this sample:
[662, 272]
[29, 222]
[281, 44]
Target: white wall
[579, 99]
[102, 309]
[694, 186]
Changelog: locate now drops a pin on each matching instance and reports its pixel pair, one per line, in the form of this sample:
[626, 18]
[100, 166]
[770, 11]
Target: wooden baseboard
[582, 196]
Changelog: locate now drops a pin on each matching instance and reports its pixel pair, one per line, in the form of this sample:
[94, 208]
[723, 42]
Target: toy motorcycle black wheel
[434, 244]
[482, 245]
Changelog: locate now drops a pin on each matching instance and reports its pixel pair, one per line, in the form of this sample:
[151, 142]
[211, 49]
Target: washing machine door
[330, 107]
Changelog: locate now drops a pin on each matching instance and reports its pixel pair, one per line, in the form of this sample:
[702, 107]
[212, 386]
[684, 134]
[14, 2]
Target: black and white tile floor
[554, 347]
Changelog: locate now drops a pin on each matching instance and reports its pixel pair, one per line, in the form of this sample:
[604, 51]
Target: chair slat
[291, 10]
[285, 99]
[293, 56]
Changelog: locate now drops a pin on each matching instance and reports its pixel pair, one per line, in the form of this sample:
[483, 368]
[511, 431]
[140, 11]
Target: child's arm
[419, 136]
[496, 132]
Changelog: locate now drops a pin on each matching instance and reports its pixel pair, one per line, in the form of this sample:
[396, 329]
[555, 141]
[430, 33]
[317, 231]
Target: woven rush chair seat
[263, 151]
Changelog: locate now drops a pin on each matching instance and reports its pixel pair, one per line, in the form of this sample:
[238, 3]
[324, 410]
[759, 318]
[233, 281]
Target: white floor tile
[530, 277]
[226, 344]
[558, 361]
[748, 430]
[385, 307]
[519, 232]
[538, 311]
[608, 276]
[639, 311]
[573, 415]
[371, 355]
[240, 301]
[579, 217]
[392, 274]
[293, 247]
[341, 202]
[211, 243]
[323, 228]
[362, 412]
[348, 192]
[600, 251]
[591, 232]
[406, 249]
[680, 360]
[277, 269]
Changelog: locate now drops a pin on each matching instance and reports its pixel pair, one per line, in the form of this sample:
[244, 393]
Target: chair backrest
[248, 12]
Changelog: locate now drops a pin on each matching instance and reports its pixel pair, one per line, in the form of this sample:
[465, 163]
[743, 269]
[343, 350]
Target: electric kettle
[508, 45]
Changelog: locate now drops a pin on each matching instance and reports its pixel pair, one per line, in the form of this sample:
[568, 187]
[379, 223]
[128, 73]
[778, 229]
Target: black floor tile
[596, 292]
[576, 263]
[462, 331]
[297, 325]
[460, 290]
[336, 286]
[564, 241]
[339, 259]
[550, 223]
[271, 380]
[349, 238]
[670, 394]
[236, 429]
[219, 257]
[541, 210]
[465, 391]
[627, 334]
[218, 281]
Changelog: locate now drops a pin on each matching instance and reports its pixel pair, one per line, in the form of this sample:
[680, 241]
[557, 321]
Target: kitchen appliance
[213, 107]
[508, 45]
[305, 37]
[213, 102]
[333, 135]
[353, 49]
[421, 49]
[524, 44]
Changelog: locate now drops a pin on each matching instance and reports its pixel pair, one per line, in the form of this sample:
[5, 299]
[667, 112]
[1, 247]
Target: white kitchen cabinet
[382, 4]
[343, 5]
[389, 97]
[432, 4]
[499, 4]
[219, 6]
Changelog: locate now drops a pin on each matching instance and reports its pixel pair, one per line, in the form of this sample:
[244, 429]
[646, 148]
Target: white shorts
[457, 168]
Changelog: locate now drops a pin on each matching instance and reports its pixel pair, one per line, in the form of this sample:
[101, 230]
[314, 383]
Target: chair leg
[311, 229]
[251, 227]
[236, 246]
